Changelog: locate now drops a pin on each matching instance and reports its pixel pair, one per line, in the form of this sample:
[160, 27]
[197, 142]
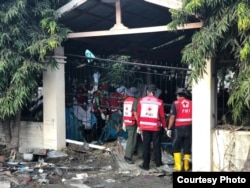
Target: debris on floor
[78, 165]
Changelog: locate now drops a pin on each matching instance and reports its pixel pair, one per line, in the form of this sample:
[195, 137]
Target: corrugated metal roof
[95, 15]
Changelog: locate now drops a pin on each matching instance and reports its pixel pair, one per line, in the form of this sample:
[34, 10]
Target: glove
[123, 126]
[138, 130]
[103, 116]
[168, 132]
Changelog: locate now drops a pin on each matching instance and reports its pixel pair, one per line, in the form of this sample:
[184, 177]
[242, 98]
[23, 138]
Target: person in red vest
[151, 119]
[116, 101]
[181, 122]
[81, 95]
[101, 107]
[130, 121]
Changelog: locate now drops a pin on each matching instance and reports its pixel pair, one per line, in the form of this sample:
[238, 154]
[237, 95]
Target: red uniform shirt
[115, 101]
[183, 115]
[151, 115]
[100, 102]
[128, 111]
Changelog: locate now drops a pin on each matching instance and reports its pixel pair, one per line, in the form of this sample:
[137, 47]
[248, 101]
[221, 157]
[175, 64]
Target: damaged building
[114, 45]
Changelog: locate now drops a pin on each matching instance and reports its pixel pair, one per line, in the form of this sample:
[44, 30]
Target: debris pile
[79, 164]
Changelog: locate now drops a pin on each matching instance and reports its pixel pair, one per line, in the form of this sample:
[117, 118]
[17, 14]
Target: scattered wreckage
[80, 164]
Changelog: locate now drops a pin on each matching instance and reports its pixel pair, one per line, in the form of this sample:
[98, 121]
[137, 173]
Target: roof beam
[173, 4]
[132, 31]
[70, 6]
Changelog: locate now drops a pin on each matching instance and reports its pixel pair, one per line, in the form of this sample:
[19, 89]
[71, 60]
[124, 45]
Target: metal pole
[130, 63]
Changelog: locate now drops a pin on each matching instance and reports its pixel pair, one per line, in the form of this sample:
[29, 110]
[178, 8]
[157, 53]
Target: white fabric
[149, 110]
[83, 116]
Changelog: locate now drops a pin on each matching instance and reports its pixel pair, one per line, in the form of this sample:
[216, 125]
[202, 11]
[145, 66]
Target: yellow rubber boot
[177, 162]
[186, 159]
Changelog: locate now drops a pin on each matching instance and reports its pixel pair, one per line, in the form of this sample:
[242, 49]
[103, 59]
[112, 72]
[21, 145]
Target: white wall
[31, 134]
[230, 150]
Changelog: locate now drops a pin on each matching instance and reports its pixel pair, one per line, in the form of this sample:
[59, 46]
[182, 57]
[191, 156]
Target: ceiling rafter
[119, 28]
[70, 6]
[133, 30]
[93, 26]
[173, 4]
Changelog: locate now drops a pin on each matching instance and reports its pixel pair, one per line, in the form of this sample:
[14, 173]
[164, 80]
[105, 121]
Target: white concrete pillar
[54, 132]
[204, 118]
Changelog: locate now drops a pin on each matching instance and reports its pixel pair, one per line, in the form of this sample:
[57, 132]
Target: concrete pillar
[54, 133]
[204, 119]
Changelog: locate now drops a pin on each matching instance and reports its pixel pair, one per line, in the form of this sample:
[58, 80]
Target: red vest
[148, 113]
[128, 115]
[115, 101]
[101, 102]
[183, 112]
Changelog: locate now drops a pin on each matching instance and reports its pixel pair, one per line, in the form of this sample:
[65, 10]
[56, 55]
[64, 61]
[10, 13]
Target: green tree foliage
[29, 30]
[225, 31]
[117, 73]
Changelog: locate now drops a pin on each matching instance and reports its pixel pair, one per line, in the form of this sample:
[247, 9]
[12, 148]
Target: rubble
[79, 166]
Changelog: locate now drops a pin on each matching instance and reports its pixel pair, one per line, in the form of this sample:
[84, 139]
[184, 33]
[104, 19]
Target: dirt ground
[81, 166]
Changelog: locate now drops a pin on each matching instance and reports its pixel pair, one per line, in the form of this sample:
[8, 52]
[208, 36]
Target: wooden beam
[173, 4]
[70, 6]
[131, 31]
